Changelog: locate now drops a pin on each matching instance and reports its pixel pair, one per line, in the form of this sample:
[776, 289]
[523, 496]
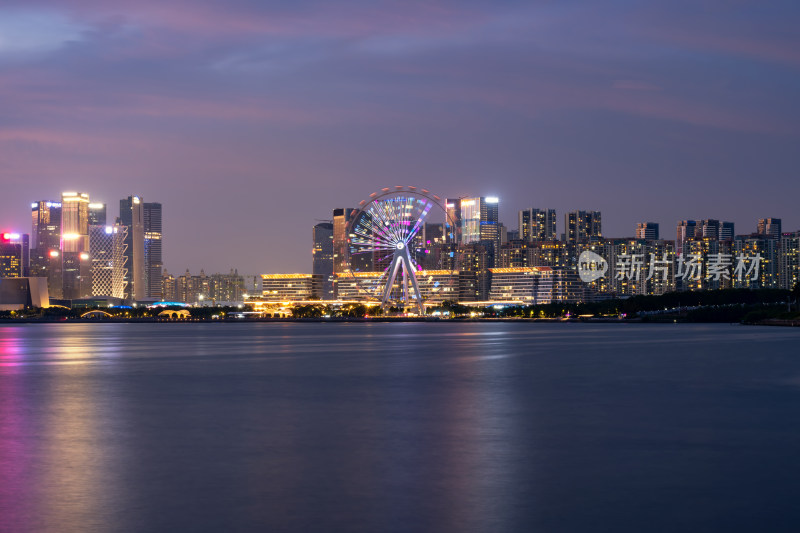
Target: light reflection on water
[397, 427]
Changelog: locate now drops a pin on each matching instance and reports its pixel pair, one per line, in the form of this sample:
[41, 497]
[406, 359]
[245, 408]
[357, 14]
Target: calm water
[399, 427]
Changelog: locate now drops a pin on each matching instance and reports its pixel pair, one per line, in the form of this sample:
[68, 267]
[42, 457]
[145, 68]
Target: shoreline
[600, 320]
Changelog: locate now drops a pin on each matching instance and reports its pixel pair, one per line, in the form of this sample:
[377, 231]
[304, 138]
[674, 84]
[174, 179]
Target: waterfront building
[477, 257]
[107, 245]
[290, 287]
[168, 287]
[192, 288]
[46, 244]
[131, 214]
[583, 226]
[152, 248]
[435, 286]
[789, 260]
[226, 288]
[21, 292]
[75, 258]
[14, 255]
[341, 263]
[754, 246]
[322, 257]
[703, 252]
[535, 285]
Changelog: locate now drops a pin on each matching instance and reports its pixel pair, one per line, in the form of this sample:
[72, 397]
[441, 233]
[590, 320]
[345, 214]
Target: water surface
[399, 427]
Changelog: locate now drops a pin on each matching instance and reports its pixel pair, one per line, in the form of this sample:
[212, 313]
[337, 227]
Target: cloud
[29, 33]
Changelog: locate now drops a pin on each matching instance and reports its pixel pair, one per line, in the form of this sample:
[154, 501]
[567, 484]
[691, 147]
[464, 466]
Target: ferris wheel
[389, 248]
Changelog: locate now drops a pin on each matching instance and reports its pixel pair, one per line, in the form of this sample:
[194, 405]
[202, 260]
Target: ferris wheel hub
[400, 245]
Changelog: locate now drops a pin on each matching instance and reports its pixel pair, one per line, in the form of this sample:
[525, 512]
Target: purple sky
[247, 120]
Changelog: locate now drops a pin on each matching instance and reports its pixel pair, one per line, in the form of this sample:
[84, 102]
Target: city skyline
[99, 209]
[248, 121]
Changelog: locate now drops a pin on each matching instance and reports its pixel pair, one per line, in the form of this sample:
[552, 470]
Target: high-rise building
[153, 261]
[726, 231]
[97, 214]
[131, 214]
[14, 255]
[322, 257]
[480, 220]
[226, 288]
[647, 230]
[453, 220]
[537, 224]
[107, 244]
[168, 287]
[687, 229]
[709, 229]
[75, 258]
[583, 226]
[789, 264]
[770, 227]
[341, 258]
[46, 244]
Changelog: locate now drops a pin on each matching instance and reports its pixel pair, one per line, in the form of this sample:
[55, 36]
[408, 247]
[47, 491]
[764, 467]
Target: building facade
[152, 248]
[75, 258]
[131, 214]
[537, 224]
[107, 244]
[290, 287]
[14, 255]
[322, 257]
[647, 230]
[583, 226]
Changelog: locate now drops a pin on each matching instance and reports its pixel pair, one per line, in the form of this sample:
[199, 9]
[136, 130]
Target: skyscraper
[322, 257]
[107, 244]
[453, 220]
[14, 255]
[97, 214]
[583, 226]
[687, 229]
[709, 229]
[537, 224]
[131, 214]
[647, 230]
[770, 227]
[153, 261]
[75, 260]
[341, 217]
[46, 244]
[480, 220]
[726, 231]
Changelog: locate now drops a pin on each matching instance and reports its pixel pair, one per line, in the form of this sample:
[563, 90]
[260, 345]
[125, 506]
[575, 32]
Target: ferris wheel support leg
[387, 290]
[417, 295]
[406, 273]
[413, 277]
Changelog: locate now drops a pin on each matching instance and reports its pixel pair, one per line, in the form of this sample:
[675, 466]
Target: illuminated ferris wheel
[392, 246]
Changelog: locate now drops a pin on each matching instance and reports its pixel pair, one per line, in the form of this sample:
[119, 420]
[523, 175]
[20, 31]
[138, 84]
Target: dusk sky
[248, 120]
